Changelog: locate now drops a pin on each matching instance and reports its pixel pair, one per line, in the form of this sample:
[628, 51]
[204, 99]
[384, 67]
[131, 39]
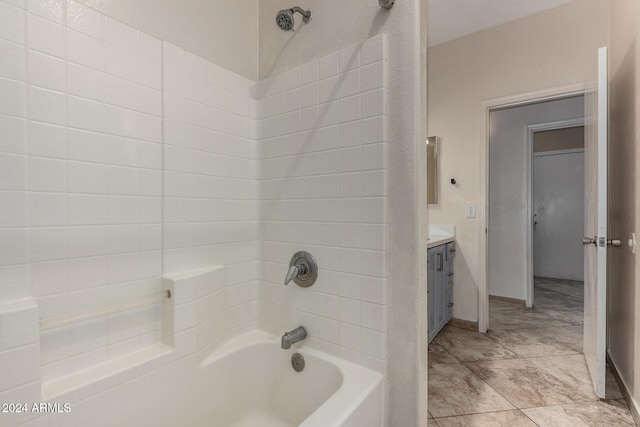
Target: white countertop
[439, 239]
[440, 234]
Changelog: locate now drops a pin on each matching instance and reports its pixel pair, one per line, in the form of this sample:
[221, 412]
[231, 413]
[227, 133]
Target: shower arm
[306, 14]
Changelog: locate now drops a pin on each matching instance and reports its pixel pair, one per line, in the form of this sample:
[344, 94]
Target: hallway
[528, 370]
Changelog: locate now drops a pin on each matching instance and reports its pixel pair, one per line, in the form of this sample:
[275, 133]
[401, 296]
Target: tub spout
[292, 337]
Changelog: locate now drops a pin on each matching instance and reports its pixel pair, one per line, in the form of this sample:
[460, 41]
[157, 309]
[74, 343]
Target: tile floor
[528, 370]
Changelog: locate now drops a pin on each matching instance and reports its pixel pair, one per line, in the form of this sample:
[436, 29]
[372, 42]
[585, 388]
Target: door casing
[483, 213]
[531, 130]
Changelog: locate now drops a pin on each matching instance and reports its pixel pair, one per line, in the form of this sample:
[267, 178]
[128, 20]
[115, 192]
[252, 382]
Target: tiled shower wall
[88, 178]
[84, 174]
[324, 191]
[211, 204]
[123, 158]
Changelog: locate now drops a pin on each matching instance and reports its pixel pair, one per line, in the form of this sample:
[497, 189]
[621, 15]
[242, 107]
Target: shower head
[285, 20]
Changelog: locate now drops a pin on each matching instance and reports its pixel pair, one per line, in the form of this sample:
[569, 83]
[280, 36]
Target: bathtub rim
[358, 382]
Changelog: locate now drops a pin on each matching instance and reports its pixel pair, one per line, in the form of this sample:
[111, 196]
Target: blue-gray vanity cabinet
[440, 286]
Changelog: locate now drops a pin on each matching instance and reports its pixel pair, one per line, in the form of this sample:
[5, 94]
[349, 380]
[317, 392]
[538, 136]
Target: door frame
[483, 213]
[531, 130]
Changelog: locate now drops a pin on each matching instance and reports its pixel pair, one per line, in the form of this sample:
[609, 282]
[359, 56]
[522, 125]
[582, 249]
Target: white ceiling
[450, 19]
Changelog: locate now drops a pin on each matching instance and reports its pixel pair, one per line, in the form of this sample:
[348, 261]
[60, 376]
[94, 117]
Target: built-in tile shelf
[440, 234]
[186, 313]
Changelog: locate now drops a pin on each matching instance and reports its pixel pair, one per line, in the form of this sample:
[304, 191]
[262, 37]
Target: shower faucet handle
[303, 269]
[294, 271]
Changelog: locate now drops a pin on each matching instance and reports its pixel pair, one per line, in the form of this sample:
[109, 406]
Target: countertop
[440, 234]
[439, 239]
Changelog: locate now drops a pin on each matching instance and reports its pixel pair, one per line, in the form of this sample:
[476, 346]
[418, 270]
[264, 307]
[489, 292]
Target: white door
[595, 226]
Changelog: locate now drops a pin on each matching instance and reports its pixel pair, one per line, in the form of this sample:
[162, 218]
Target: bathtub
[249, 382]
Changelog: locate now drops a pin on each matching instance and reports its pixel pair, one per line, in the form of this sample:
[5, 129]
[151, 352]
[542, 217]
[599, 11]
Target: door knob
[594, 241]
[614, 242]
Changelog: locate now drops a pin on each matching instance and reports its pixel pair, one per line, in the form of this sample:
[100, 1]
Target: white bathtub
[249, 382]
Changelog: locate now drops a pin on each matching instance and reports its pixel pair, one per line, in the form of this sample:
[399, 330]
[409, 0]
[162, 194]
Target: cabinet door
[450, 252]
[439, 282]
[431, 285]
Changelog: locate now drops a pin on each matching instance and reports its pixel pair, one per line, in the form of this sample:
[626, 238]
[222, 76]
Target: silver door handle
[614, 242]
[440, 259]
[590, 241]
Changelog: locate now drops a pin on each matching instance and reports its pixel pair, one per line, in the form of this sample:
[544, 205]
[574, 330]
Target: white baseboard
[633, 405]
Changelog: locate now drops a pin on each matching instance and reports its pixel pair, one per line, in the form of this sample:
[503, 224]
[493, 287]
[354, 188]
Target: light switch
[470, 210]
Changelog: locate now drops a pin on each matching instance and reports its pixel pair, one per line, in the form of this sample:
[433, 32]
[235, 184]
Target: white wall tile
[47, 140]
[86, 115]
[120, 62]
[46, 36]
[349, 83]
[48, 243]
[87, 209]
[87, 241]
[87, 272]
[12, 23]
[373, 130]
[49, 278]
[372, 50]
[86, 82]
[14, 100]
[12, 60]
[52, 10]
[86, 146]
[14, 135]
[120, 36]
[47, 106]
[349, 58]
[13, 208]
[85, 50]
[48, 209]
[86, 178]
[373, 103]
[18, 325]
[84, 19]
[350, 108]
[16, 247]
[309, 72]
[328, 65]
[20, 366]
[48, 174]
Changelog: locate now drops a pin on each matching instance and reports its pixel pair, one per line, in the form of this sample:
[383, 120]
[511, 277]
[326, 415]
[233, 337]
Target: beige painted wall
[624, 186]
[543, 51]
[223, 31]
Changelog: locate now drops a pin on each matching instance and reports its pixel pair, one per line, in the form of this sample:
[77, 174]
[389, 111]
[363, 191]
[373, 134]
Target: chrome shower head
[284, 18]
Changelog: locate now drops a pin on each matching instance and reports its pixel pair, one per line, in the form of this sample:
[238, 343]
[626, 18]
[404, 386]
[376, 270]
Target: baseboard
[464, 324]
[633, 406]
[507, 299]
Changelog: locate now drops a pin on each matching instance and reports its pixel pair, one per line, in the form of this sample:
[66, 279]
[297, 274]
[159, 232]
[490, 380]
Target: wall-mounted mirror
[432, 170]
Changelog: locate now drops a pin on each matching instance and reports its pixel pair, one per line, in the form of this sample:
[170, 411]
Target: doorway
[511, 213]
[558, 217]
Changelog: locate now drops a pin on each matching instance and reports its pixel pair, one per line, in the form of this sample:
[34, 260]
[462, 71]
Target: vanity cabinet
[440, 286]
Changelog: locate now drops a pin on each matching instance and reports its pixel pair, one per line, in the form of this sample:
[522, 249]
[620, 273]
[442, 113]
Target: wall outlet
[470, 210]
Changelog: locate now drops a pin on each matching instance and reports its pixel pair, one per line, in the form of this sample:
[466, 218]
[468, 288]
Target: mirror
[432, 170]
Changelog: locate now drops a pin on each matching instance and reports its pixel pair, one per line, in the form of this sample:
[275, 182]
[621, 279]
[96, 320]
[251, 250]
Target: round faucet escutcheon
[297, 361]
[303, 269]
